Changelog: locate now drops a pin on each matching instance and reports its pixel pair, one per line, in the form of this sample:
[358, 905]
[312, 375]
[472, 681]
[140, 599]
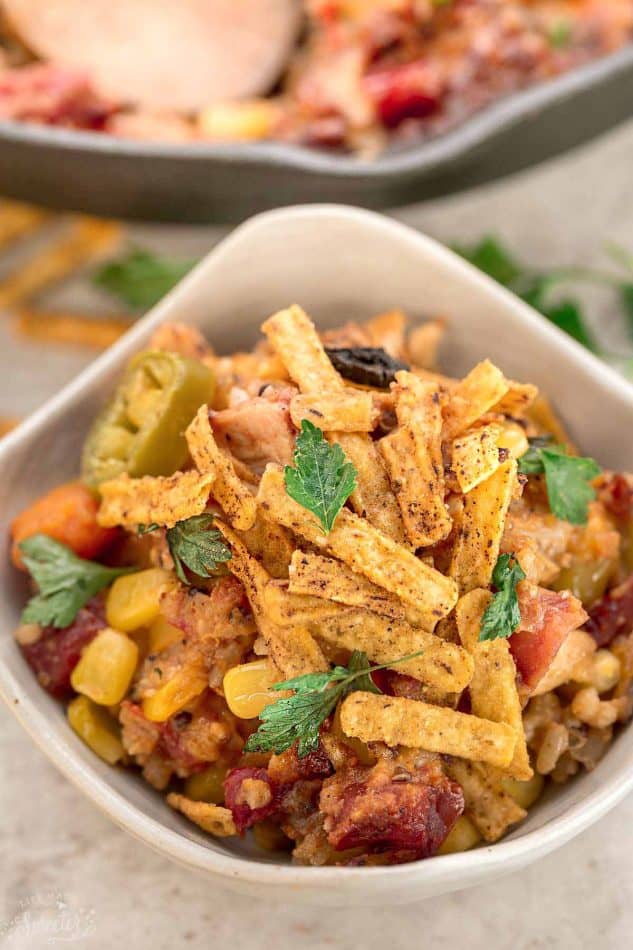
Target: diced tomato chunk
[54, 656]
[402, 92]
[68, 514]
[547, 617]
[612, 615]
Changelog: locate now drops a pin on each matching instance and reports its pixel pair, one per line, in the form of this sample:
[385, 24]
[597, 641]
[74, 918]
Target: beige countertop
[68, 874]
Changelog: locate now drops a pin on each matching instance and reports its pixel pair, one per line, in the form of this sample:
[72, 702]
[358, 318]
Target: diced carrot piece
[68, 514]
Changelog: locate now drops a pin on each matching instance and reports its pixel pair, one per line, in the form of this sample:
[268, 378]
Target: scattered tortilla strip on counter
[366, 550]
[231, 494]
[331, 580]
[87, 240]
[490, 808]
[474, 395]
[442, 665]
[71, 328]
[214, 819]
[292, 649]
[349, 411]
[475, 456]
[480, 528]
[17, 220]
[408, 722]
[163, 500]
[413, 456]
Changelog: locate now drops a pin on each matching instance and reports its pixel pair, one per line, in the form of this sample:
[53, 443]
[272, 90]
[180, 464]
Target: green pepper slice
[141, 430]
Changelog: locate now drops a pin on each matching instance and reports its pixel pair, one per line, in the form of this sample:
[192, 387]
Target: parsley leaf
[502, 616]
[66, 582]
[193, 545]
[140, 279]
[322, 480]
[490, 256]
[298, 718]
[567, 479]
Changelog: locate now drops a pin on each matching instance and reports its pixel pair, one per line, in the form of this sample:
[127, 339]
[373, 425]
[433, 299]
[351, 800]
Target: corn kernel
[134, 600]
[524, 793]
[208, 786]
[514, 439]
[97, 729]
[269, 837]
[462, 836]
[162, 634]
[247, 688]
[360, 749]
[238, 121]
[184, 686]
[106, 667]
[605, 670]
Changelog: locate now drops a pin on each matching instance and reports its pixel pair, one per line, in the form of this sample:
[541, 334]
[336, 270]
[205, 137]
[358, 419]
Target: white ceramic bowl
[339, 263]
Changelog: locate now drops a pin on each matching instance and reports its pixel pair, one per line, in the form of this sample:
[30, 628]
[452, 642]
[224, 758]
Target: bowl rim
[468, 868]
[426, 156]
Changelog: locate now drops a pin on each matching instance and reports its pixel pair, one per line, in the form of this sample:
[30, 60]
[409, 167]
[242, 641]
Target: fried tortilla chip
[231, 494]
[363, 548]
[214, 819]
[349, 411]
[475, 456]
[489, 807]
[129, 502]
[473, 396]
[408, 722]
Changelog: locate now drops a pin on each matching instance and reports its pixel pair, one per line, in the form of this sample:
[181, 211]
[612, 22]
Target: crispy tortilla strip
[17, 220]
[271, 544]
[214, 819]
[292, 649]
[296, 610]
[444, 666]
[491, 809]
[494, 696]
[323, 577]
[493, 689]
[234, 498]
[87, 240]
[387, 330]
[373, 498]
[480, 528]
[129, 502]
[413, 455]
[517, 400]
[76, 329]
[357, 543]
[423, 343]
[407, 722]
[473, 396]
[349, 411]
[542, 414]
[180, 338]
[293, 336]
[475, 456]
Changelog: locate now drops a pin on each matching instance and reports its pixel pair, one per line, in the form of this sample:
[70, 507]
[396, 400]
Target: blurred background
[457, 118]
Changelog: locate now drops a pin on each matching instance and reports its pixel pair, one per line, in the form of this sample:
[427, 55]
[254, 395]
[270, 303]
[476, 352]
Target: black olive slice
[366, 365]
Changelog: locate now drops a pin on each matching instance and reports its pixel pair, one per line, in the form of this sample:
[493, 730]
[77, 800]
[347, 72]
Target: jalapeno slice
[141, 430]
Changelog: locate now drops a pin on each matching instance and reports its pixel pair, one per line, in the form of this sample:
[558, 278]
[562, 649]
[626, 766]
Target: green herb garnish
[567, 478]
[322, 479]
[66, 582]
[298, 718]
[541, 289]
[560, 34]
[140, 279]
[191, 544]
[502, 616]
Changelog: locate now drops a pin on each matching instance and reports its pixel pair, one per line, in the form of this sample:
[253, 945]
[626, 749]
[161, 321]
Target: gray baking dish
[103, 175]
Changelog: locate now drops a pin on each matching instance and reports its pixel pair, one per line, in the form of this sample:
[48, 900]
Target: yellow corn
[97, 729]
[184, 686]
[247, 688]
[238, 121]
[462, 836]
[360, 749]
[602, 671]
[162, 634]
[524, 793]
[207, 786]
[269, 837]
[106, 667]
[134, 600]
[514, 439]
